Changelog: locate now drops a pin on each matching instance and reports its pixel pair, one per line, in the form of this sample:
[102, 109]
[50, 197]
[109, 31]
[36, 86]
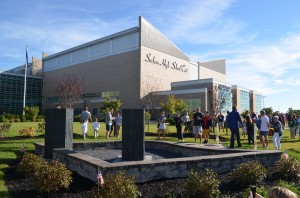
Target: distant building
[246, 100]
[256, 101]
[12, 87]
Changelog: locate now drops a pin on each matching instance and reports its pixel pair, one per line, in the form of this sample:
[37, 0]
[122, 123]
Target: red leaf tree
[69, 90]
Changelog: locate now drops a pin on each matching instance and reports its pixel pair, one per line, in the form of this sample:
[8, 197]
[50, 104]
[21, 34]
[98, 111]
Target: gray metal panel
[216, 65]
[152, 38]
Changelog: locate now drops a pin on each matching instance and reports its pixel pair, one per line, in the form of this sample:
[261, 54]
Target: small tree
[150, 94]
[268, 110]
[31, 113]
[111, 103]
[69, 91]
[173, 105]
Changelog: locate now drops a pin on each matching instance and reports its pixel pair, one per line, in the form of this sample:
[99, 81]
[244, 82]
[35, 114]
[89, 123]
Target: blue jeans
[236, 132]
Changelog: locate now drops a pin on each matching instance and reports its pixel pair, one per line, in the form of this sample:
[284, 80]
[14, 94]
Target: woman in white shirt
[162, 125]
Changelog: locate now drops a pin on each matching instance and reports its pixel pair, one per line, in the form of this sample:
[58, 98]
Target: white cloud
[200, 22]
[270, 68]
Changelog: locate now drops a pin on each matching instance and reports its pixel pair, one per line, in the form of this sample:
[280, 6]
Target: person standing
[292, 124]
[277, 132]
[96, 126]
[207, 123]
[178, 124]
[298, 123]
[233, 121]
[118, 124]
[108, 122]
[221, 122]
[226, 123]
[186, 119]
[250, 130]
[264, 129]
[85, 117]
[197, 124]
[162, 125]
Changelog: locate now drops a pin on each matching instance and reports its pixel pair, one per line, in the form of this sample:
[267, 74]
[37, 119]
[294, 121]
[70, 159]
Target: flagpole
[24, 97]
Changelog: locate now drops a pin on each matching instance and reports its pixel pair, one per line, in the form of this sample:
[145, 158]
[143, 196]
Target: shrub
[30, 132]
[31, 113]
[171, 121]
[205, 184]
[9, 116]
[41, 128]
[4, 128]
[76, 118]
[17, 120]
[52, 178]
[2, 118]
[288, 169]
[118, 185]
[246, 174]
[40, 118]
[30, 164]
[23, 118]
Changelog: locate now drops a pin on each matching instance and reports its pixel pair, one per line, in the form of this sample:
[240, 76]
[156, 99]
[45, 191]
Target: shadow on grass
[4, 194]
[20, 138]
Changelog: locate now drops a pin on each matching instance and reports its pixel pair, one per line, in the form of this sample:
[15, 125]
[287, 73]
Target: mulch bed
[21, 186]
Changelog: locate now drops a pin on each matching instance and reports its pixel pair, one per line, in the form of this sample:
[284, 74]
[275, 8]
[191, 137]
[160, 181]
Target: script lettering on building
[167, 64]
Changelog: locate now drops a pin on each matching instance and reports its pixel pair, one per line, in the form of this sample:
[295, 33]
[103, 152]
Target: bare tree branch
[150, 93]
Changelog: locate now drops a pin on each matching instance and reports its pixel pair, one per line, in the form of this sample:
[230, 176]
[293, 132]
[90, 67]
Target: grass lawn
[10, 146]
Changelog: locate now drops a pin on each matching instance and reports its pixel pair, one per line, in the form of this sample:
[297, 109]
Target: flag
[26, 56]
[100, 178]
[23, 148]
[285, 155]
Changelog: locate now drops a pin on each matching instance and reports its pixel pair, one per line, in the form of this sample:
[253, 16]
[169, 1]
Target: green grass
[10, 147]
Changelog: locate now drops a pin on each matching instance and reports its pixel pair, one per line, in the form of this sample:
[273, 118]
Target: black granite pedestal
[133, 135]
[58, 130]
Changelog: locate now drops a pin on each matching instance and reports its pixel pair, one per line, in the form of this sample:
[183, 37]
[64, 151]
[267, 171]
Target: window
[95, 113]
[244, 100]
[192, 104]
[258, 101]
[77, 112]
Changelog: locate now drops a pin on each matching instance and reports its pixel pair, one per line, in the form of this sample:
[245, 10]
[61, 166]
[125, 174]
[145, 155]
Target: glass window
[77, 112]
[192, 104]
[244, 101]
[258, 101]
[224, 94]
[95, 111]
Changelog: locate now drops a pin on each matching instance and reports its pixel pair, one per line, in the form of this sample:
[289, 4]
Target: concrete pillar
[133, 134]
[58, 130]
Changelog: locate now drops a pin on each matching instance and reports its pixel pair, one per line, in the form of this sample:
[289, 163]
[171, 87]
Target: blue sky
[259, 39]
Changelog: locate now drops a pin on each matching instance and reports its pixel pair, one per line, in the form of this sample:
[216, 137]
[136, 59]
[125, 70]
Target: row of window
[78, 111]
[12, 93]
[103, 94]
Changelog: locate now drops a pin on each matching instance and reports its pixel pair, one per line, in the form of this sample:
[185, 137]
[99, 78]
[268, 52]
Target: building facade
[12, 87]
[132, 65]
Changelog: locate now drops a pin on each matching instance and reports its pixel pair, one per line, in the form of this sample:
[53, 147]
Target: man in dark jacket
[233, 121]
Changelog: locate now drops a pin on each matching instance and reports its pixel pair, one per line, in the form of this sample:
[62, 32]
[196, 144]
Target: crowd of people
[113, 123]
[200, 124]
